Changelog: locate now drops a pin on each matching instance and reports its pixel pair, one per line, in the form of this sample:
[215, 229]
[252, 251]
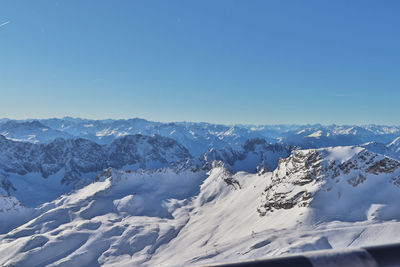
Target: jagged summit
[254, 155]
[66, 163]
[134, 192]
[344, 183]
[205, 215]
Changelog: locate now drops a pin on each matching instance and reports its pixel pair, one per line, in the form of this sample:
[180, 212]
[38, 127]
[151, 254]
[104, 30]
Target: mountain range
[196, 137]
[77, 192]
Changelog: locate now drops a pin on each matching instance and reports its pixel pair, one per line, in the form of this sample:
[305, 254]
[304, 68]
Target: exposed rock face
[143, 150]
[300, 169]
[6, 187]
[255, 155]
[309, 172]
[81, 156]
[226, 174]
[383, 166]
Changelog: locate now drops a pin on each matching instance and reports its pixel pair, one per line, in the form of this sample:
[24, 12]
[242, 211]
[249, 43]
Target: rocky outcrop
[255, 155]
[80, 156]
[309, 172]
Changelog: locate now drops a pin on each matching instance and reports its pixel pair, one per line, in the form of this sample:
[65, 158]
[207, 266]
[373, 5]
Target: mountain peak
[342, 175]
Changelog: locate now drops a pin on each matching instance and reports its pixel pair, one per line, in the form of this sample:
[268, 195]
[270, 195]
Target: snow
[33, 190]
[12, 212]
[141, 218]
[301, 131]
[242, 199]
[395, 142]
[316, 134]
[102, 217]
[342, 153]
[254, 155]
[39, 173]
[197, 137]
[395, 145]
[224, 228]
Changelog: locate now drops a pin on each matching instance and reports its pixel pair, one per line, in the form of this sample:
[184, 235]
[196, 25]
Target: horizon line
[201, 122]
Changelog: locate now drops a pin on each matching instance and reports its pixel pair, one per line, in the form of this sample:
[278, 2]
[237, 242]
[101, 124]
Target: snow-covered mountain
[197, 137]
[388, 150]
[40, 172]
[30, 131]
[120, 215]
[362, 184]
[254, 155]
[77, 192]
[317, 136]
[315, 199]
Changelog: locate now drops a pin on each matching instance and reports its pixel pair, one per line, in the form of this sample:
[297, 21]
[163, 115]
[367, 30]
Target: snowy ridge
[383, 149]
[346, 176]
[254, 155]
[121, 214]
[28, 170]
[226, 228]
[197, 137]
[134, 192]
[395, 145]
[138, 218]
[30, 131]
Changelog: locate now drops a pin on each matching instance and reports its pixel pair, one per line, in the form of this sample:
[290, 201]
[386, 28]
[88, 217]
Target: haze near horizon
[229, 62]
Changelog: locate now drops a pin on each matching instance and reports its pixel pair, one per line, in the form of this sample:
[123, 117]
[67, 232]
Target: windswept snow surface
[315, 199]
[123, 217]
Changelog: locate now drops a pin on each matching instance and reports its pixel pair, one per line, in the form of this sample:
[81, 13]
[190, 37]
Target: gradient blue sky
[266, 62]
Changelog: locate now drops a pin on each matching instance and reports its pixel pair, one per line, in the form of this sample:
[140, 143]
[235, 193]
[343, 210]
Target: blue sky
[265, 62]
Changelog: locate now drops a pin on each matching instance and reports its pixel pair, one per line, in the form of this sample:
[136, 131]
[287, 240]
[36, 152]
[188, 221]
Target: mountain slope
[196, 137]
[119, 215]
[316, 199]
[30, 131]
[39, 172]
[253, 156]
[346, 176]
[142, 218]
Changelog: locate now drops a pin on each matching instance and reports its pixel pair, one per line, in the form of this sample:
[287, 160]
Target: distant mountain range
[196, 137]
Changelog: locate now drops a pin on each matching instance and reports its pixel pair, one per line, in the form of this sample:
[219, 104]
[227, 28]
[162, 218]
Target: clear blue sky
[218, 61]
